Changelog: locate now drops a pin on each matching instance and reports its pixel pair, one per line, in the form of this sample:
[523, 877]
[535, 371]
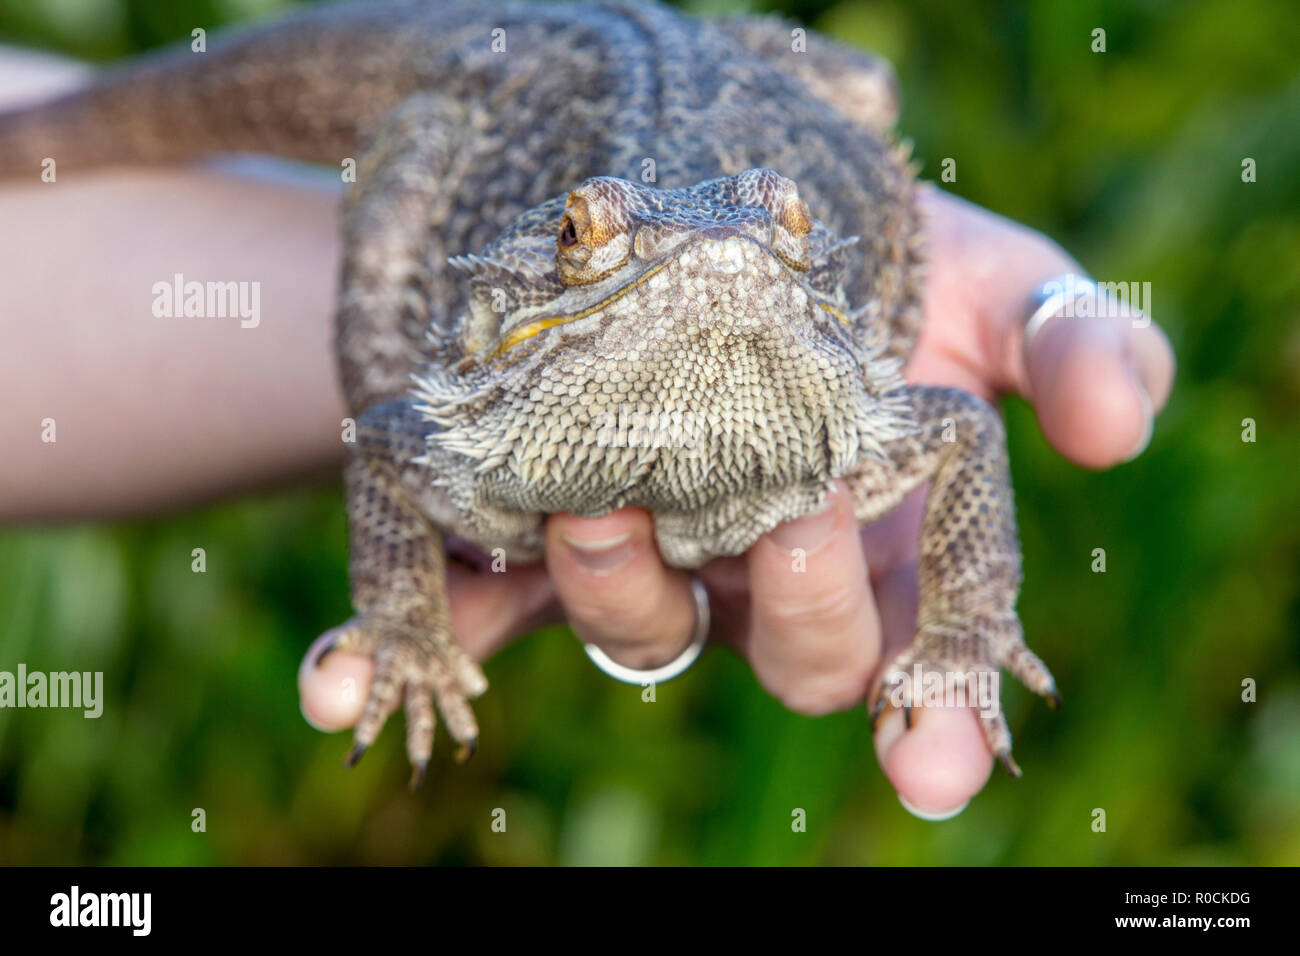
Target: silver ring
[1051, 299]
[673, 668]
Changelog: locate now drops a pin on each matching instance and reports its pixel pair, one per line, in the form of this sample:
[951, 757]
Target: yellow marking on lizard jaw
[833, 311]
[526, 332]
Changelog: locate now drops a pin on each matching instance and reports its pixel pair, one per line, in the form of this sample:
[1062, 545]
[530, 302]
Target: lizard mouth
[720, 252]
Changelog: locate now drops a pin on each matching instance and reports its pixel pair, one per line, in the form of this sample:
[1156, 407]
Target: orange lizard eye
[594, 238]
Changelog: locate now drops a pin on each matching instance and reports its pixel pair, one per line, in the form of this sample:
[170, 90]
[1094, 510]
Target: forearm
[152, 411]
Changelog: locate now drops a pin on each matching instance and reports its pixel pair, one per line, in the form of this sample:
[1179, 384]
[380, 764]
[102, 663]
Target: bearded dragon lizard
[565, 214]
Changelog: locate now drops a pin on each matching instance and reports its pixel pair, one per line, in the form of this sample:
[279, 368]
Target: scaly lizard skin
[572, 218]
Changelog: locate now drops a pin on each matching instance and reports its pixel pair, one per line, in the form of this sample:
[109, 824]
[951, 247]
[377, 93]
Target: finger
[615, 590]
[1096, 383]
[939, 764]
[487, 611]
[814, 639]
[943, 760]
[333, 686]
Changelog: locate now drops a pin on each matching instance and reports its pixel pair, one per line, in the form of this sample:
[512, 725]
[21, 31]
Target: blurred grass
[1132, 159]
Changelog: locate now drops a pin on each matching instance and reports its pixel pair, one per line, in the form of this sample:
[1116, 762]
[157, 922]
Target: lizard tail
[84, 129]
[306, 87]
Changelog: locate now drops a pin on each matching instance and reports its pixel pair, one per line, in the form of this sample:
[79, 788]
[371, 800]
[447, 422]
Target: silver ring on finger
[674, 668]
[1054, 298]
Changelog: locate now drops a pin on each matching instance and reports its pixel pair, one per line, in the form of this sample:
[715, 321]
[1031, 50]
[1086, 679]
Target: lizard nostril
[568, 234]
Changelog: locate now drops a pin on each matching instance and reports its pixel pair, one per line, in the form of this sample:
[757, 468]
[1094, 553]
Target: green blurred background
[1132, 159]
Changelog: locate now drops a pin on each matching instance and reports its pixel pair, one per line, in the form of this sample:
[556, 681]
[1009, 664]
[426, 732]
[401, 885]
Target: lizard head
[740, 252]
[724, 301]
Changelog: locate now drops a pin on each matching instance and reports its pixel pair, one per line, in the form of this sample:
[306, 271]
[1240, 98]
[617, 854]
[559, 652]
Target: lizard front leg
[969, 554]
[394, 288]
[399, 589]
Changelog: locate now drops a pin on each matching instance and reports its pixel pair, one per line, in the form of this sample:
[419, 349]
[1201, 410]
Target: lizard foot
[958, 665]
[413, 670]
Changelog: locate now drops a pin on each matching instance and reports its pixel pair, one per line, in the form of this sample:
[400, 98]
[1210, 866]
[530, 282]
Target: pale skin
[158, 413]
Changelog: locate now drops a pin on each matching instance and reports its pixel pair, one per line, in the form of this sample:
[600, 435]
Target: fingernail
[930, 815]
[811, 531]
[1148, 422]
[319, 649]
[602, 555]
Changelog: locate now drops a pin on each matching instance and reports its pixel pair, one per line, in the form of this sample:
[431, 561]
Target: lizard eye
[568, 234]
[594, 237]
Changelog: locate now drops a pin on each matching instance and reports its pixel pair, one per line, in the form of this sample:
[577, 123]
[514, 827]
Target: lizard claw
[1009, 764]
[356, 753]
[412, 672]
[417, 774]
[877, 709]
[467, 750]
